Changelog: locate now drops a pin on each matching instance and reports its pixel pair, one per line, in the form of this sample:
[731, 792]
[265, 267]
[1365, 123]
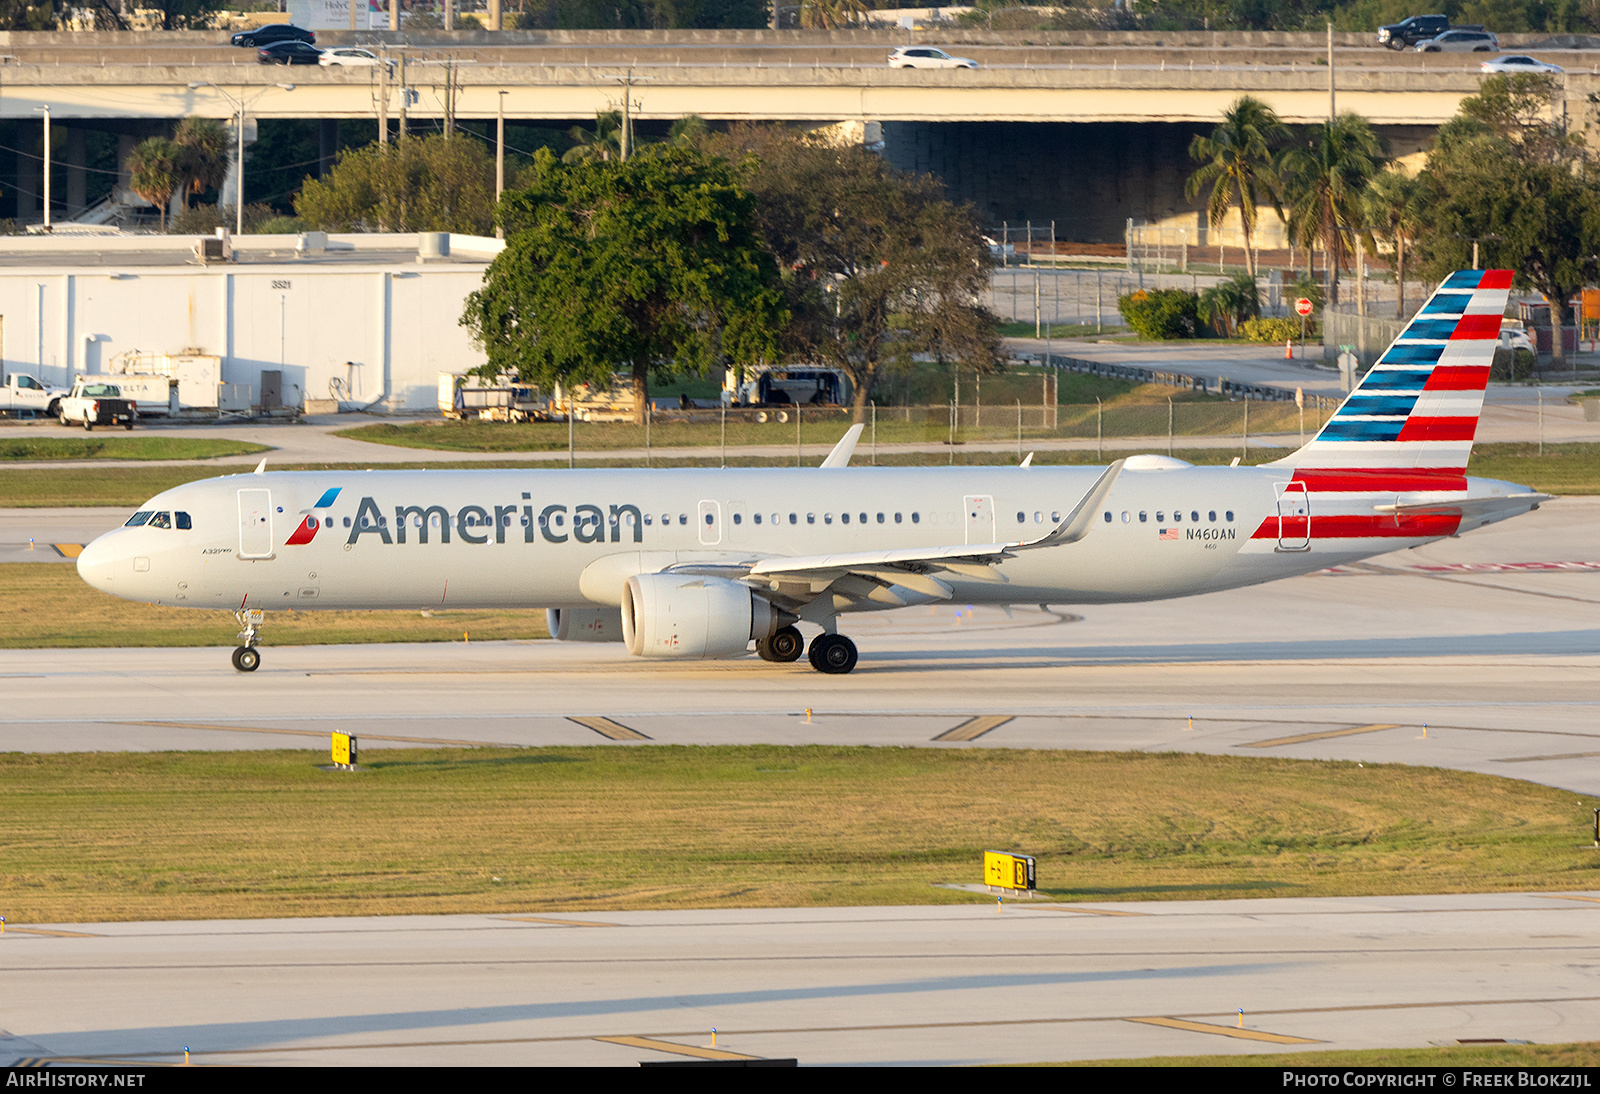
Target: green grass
[110, 836]
[1563, 469]
[46, 605]
[90, 447]
[1579, 1054]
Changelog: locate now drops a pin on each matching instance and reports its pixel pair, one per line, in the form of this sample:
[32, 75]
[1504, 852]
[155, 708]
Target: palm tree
[1238, 162]
[1324, 181]
[155, 170]
[1394, 210]
[604, 143]
[207, 148]
[1229, 303]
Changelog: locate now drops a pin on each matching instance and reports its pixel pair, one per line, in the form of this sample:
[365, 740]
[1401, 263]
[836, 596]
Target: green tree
[649, 264]
[1324, 182]
[21, 15]
[1393, 204]
[415, 184]
[1229, 303]
[156, 172]
[1239, 163]
[1505, 172]
[604, 142]
[206, 148]
[878, 265]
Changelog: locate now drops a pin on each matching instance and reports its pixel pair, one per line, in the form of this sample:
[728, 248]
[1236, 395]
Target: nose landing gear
[247, 658]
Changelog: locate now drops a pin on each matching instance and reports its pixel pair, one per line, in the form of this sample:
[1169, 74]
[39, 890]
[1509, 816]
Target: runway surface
[1490, 641]
[921, 985]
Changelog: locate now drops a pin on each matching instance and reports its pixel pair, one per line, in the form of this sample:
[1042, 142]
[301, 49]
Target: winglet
[840, 456]
[261, 468]
[1081, 519]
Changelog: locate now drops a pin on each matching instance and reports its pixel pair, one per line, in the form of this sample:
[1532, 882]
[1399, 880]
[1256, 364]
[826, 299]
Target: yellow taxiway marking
[68, 550]
[615, 731]
[554, 922]
[1276, 741]
[973, 728]
[1563, 896]
[323, 734]
[52, 934]
[1227, 1031]
[1086, 911]
[681, 1050]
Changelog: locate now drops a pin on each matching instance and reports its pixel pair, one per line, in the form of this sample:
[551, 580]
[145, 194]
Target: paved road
[885, 986]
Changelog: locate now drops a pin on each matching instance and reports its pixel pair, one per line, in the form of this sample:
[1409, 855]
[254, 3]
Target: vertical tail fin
[1418, 407]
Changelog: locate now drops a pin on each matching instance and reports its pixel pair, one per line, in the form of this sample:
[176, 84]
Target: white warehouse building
[368, 319]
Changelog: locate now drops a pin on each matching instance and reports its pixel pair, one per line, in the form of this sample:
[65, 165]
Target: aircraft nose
[97, 562]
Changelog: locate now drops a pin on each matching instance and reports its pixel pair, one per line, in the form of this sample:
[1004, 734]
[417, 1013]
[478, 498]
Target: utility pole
[352, 4]
[394, 14]
[46, 202]
[449, 99]
[405, 95]
[500, 159]
[627, 115]
[1333, 109]
[383, 99]
[449, 14]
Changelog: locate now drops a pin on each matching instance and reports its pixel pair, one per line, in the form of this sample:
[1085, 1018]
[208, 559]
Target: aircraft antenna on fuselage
[261, 468]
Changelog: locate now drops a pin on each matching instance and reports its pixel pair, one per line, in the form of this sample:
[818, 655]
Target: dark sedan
[276, 32]
[289, 53]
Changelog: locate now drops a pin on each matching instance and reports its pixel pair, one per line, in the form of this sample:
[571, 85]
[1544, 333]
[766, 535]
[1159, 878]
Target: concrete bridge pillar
[77, 175]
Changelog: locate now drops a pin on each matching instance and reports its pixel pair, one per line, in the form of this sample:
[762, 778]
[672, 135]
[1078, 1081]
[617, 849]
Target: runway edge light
[1003, 870]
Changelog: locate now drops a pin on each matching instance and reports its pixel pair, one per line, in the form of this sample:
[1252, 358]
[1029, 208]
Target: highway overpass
[1121, 107]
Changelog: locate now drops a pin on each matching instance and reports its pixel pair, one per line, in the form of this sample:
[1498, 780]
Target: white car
[1516, 62]
[1461, 41]
[927, 57]
[347, 56]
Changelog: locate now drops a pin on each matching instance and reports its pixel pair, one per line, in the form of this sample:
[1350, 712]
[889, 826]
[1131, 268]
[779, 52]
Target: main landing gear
[247, 658]
[833, 654]
[786, 644]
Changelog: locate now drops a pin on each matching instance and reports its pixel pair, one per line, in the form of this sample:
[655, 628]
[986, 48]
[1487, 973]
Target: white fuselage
[541, 538]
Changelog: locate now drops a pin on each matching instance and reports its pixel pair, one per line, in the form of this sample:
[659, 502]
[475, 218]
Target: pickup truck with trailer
[1419, 28]
[23, 394]
[93, 402]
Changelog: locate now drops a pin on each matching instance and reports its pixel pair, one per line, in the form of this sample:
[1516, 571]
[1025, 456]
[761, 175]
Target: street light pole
[240, 104]
[500, 160]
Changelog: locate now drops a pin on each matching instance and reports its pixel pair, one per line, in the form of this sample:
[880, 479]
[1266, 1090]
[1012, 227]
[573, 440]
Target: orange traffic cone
[1288, 349]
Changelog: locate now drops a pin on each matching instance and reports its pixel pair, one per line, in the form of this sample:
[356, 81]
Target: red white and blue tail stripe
[1418, 407]
[1391, 464]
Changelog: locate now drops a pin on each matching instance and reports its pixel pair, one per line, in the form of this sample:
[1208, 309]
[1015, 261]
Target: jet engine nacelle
[684, 616]
[584, 624]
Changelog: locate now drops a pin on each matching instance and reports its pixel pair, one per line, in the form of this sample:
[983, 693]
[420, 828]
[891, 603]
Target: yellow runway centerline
[1227, 1031]
[1276, 741]
[973, 728]
[607, 728]
[681, 1050]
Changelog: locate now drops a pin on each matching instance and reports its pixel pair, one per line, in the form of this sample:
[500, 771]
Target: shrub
[1161, 313]
[1512, 365]
[1274, 330]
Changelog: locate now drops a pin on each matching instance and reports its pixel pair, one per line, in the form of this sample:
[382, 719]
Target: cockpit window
[138, 518]
[183, 521]
[162, 519]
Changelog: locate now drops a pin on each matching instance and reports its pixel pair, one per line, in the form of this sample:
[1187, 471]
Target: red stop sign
[1303, 306]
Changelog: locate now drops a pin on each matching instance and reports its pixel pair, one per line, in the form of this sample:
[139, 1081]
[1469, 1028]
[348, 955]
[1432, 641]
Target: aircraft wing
[875, 575]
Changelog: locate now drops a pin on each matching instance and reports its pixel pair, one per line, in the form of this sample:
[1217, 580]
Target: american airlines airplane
[701, 563]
